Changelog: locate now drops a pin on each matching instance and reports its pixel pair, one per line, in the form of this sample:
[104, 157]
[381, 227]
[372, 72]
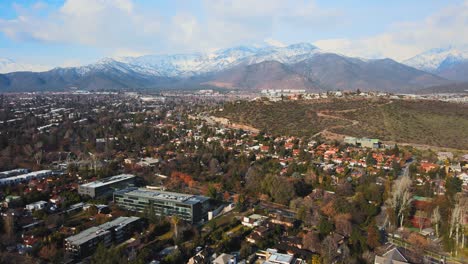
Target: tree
[457, 229]
[212, 192]
[311, 241]
[418, 243]
[175, 220]
[329, 249]
[245, 250]
[435, 219]
[48, 252]
[453, 186]
[92, 210]
[316, 259]
[373, 236]
[104, 255]
[401, 198]
[370, 160]
[325, 227]
[9, 227]
[343, 224]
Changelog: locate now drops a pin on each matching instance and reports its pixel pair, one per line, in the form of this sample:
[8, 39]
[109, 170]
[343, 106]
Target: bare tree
[401, 198]
[329, 249]
[457, 229]
[436, 219]
[175, 222]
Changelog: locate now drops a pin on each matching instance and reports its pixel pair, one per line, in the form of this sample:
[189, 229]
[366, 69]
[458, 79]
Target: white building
[23, 178]
[36, 206]
[253, 220]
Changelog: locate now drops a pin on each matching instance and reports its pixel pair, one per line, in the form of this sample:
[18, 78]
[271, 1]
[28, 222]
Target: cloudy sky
[78, 32]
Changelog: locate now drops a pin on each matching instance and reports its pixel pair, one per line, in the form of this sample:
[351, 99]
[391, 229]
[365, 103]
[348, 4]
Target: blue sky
[78, 32]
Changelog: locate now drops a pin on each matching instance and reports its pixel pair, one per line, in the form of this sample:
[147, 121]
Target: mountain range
[297, 66]
[450, 63]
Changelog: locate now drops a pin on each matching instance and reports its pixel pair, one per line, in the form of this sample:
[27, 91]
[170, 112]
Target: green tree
[453, 186]
[104, 255]
[370, 160]
[325, 226]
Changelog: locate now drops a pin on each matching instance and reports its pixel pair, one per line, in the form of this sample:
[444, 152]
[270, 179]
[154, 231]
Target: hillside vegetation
[421, 122]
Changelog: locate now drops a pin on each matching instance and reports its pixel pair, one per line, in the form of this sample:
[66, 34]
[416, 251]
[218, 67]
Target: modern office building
[24, 178]
[106, 186]
[363, 142]
[190, 208]
[11, 173]
[116, 231]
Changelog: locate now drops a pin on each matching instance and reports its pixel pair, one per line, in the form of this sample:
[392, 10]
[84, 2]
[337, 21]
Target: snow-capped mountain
[297, 66]
[435, 60]
[200, 63]
[8, 65]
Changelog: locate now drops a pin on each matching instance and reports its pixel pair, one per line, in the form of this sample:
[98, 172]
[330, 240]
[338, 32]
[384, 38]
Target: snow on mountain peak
[432, 59]
[200, 63]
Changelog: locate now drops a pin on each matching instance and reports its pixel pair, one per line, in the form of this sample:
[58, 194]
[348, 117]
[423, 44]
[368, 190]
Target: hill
[429, 123]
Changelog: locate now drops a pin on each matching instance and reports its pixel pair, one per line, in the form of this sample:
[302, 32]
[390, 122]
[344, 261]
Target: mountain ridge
[297, 66]
[450, 62]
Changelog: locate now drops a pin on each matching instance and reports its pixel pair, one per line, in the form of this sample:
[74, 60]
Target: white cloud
[404, 40]
[274, 42]
[125, 27]
[7, 65]
[97, 23]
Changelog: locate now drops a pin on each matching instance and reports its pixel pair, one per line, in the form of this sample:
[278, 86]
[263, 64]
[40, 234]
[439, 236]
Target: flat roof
[164, 195]
[108, 180]
[100, 230]
[13, 172]
[27, 175]
[280, 258]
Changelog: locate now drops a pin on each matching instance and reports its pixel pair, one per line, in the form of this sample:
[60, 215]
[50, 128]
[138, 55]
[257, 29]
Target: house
[253, 220]
[29, 241]
[292, 241]
[257, 235]
[288, 145]
[201, 257]
[428, 166]
[443, 156]
[454, 168]
[265, 149]
[272, 256]
[464, 178]
[36, 206]
[148, 162]
[393, 256]
[283, 221]
[464, 158]
[225, 259]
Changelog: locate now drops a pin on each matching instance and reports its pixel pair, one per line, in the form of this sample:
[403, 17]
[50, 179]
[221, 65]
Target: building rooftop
[108, 180]
[97, 231]
[14, 172]
[279, 258]
[163, 195]
[37, 203]
[27, 176]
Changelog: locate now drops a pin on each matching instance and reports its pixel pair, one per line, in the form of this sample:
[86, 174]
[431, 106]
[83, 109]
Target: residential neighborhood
[134, 180]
